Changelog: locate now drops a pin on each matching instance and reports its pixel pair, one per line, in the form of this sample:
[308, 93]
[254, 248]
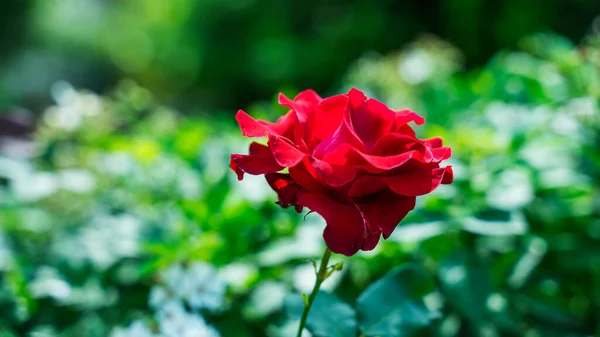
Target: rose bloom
[349, 158]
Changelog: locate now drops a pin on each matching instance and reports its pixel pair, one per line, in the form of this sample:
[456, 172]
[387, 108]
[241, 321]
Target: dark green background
[244, 50]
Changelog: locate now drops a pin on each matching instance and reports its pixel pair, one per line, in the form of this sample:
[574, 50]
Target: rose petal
[344, 134]
[233, 166]
[303, 105]
[357, 97]
[371, 240]
[448, 175]
[371, 120]
[260, 161]
[346, 155]
[366, 185]
[252, 128]
[286, 188]
[406, 130]
[440, 153]
[330, 113]
[433, 143]
[285, 153]
[345, 231]
[406, 116]
[416, 182]
[383, 211]
[330, 175]
[301, 176]
[395, 143]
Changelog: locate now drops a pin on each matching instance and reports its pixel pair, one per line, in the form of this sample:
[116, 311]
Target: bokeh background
[119, 216]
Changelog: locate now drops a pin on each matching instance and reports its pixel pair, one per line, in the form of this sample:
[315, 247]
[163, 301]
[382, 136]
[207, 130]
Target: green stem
[321, 276]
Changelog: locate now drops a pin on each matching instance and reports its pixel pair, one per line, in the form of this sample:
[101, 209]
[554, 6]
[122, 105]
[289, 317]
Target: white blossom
[199, 285]
[135, 329]
[175, 321]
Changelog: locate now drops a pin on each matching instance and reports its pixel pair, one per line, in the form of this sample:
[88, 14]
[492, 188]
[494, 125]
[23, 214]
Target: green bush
[124, 220]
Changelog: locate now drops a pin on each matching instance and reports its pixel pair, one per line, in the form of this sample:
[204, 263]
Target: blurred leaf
[5, 332]
[328, 316]
[549, 314]
[496, 223]
[466, 285]
[393, 305]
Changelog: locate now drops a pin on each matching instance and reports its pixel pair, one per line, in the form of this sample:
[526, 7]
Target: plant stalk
[321, 276]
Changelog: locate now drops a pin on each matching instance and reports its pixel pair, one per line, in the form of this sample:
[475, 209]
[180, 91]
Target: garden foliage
[120, 217]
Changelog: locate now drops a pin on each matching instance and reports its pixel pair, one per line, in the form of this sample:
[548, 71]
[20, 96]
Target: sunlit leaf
[393, 305]
[466, 285]
[328, 317]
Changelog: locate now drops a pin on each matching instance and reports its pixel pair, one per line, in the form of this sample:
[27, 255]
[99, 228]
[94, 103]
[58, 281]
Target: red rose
[351, 159]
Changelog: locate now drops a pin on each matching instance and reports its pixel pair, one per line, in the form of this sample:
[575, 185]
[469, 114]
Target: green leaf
[466, 285]
[496, 223]
[328, 316]
[393, 305]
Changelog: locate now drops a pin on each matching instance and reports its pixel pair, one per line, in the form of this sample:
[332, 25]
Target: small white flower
[194, 326]
[34, 186]
[174, 278]
[77, 180]
[171, 310]
[266, 299]
[48, 283]
[206, 288]
[238, 274]
[174, 321]
[158, 296]
[118, 164]
[417, 67]
[199, 285]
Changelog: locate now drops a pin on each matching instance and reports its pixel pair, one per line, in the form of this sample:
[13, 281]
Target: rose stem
[321, 276]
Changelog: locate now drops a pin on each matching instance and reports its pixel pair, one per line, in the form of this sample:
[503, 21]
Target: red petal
[406, 130]
[346, 155]
[306, 180]
[366, 185]
[371, 240]
[416, 182]
[344, 134]
[406, 116]
[345, 230]
[260, 161]
[303, 105]
[330, 112]
[448, 176]
[235, 168]
[440, 153]
[356, 96]
[433, 142]
[330, 175]
[395, 143]
[384, 211]
[252, 128]
[371, 120]
[286, 188]
[285, 153]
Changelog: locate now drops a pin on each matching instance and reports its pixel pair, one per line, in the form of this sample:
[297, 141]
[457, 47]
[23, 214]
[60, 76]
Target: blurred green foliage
[121, 218]
[217, 55]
